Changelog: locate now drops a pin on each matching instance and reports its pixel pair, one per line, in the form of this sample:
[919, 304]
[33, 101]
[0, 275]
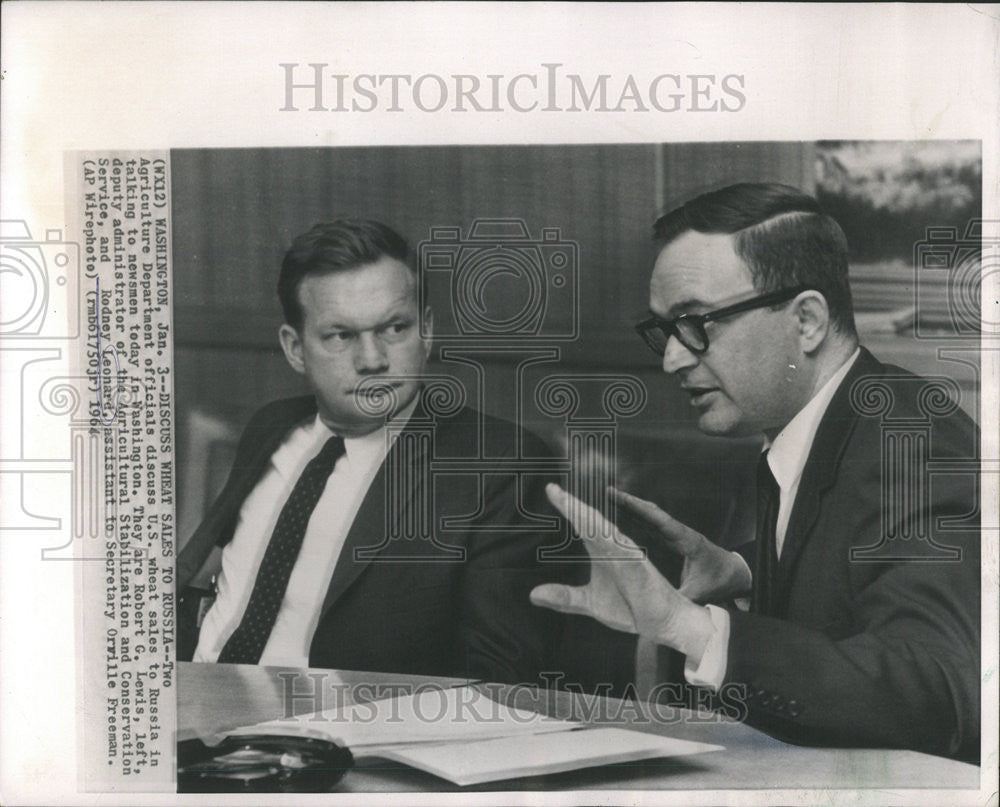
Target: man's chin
[379, 402]
[721, 424]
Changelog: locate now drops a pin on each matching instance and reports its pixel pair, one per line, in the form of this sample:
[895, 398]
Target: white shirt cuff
[711, 671]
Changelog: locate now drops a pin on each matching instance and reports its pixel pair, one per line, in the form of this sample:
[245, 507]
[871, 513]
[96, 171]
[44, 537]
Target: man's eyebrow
[333, 325]
[391, 318]
[685, 307]
[397, 313]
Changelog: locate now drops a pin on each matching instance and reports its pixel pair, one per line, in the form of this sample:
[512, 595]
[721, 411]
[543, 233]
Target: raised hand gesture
[710, 573]
[625, 592]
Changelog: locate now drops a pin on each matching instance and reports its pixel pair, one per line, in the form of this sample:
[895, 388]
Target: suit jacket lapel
[377, 521]
[820, 470]
[216, 528]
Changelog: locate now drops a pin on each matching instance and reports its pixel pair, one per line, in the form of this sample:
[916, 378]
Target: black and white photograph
[500, 403]
[568, 514]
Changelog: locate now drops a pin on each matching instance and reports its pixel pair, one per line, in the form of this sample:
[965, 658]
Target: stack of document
[462, 735]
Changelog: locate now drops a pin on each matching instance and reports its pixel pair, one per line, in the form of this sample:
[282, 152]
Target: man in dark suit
[863, 625]
[340, 547]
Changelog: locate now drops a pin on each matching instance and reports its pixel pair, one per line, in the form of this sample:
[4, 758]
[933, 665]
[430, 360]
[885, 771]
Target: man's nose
[676, 357]
[369, 354]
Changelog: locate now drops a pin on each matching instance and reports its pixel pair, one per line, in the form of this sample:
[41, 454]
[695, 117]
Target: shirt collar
[790, 450]
[367, 446]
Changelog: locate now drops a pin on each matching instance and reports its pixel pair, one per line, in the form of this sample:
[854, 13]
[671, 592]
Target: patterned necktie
[768, 500]
[247, 643]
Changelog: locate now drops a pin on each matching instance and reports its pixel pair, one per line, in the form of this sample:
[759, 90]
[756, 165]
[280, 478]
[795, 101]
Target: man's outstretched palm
[710, 573]
[625, 592]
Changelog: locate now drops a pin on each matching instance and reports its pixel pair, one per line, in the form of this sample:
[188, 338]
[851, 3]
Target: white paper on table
[439, 715]
[514, 757]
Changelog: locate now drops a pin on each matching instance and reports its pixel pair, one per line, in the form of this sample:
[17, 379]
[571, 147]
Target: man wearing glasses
[863, 623]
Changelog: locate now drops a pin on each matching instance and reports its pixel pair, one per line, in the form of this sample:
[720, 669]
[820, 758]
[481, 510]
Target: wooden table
[214, 697]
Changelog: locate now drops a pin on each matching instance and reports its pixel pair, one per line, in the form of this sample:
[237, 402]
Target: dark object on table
[261, 764]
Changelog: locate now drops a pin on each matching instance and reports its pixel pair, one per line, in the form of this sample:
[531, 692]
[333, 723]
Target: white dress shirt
[786, 458]
[331, 520]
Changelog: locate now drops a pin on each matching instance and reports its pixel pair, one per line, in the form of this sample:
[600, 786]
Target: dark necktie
[250, 637]
[768, 500]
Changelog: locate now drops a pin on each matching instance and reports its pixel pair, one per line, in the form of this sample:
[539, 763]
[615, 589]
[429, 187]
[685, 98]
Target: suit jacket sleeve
[507, 638]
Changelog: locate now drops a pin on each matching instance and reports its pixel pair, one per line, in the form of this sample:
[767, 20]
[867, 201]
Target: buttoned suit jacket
[451, 600]
[872, 636]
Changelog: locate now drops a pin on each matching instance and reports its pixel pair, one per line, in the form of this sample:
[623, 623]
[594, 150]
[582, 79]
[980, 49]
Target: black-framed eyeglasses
[690, 328]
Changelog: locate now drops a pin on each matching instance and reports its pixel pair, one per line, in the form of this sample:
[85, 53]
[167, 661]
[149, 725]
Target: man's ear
[812, 316]
[291, 344]
[427, 331]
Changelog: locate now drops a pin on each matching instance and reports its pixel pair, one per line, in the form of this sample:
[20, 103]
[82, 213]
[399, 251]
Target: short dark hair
[781, 234]
[336, 246]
